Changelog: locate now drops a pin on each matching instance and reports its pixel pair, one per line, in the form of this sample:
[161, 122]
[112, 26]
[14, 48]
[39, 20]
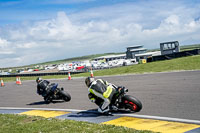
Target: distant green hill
[81, 58]
[189, 47]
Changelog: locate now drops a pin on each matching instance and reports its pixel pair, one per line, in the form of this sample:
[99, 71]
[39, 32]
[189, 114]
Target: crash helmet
[88, 81]
[38, 79]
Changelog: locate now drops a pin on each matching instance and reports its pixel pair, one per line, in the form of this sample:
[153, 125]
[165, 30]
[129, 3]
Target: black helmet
[38, 79]
[88, 81]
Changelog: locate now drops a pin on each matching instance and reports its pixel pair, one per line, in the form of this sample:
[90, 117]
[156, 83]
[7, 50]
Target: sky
[35, 31]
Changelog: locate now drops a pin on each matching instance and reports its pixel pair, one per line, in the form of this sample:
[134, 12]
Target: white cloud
[4, 48]
[98, 30]
[3, 43]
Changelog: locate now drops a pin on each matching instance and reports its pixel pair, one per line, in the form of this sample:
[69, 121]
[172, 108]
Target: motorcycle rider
[101, 89]
[42, 86]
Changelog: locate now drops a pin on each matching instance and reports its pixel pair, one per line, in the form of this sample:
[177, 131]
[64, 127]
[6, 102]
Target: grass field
[10, 123]
[189, 47]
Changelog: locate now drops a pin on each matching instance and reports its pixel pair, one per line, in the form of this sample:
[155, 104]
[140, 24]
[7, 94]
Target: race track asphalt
[174, 94]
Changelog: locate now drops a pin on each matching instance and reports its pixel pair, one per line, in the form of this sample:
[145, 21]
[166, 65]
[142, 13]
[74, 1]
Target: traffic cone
[69, 76]
[18, 81]
[91, 73]
[2, 84]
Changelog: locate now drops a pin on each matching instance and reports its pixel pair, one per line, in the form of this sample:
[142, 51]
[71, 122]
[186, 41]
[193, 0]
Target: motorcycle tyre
[134, 100]
[66, 97]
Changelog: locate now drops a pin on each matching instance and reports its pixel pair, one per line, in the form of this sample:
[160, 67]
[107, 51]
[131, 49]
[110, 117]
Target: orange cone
[69, 76]
[18, 81]
[2, 84]
[91, 73]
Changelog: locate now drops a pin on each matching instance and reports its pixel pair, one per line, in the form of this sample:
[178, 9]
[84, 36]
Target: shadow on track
[87, 113]
[43, 102]
[95, 113]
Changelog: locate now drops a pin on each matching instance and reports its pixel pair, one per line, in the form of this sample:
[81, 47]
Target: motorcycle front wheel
[132, 103]
[66, 97]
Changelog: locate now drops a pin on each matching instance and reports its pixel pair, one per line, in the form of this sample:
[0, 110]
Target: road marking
[117, 114]
[162, 118]
[44, 113]
[153, 125]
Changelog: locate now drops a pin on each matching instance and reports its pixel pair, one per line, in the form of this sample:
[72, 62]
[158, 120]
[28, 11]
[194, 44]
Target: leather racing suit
[104, 90]
[42, 86]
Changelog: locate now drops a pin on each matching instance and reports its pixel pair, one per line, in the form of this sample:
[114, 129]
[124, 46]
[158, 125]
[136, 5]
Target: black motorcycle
[123, 102]
[55, 93]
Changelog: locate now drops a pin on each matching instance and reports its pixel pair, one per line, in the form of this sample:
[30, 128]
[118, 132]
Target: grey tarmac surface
[175, 94]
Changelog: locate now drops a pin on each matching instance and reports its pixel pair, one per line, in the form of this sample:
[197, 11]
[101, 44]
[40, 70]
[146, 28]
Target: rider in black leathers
[42, 86]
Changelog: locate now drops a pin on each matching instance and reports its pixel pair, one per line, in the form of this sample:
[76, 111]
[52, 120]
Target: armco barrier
[39, 74]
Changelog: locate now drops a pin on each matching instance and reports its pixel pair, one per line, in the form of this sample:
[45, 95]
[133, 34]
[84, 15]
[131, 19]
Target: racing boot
[106, 111]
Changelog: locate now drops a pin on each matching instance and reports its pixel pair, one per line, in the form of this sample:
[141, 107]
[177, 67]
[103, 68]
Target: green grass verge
[10, 123]
[178, 64]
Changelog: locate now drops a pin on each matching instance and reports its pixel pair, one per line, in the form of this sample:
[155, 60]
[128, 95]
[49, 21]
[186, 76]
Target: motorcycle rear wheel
[66, 97]
[132, 103]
